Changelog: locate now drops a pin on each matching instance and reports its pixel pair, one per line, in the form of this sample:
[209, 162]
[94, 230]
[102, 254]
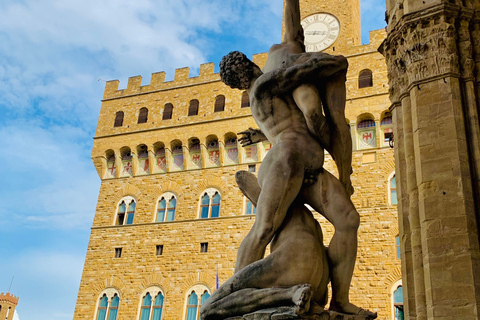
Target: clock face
[321, 30]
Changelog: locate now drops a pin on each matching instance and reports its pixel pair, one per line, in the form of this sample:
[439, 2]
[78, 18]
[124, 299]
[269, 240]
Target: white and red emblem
[214, 157]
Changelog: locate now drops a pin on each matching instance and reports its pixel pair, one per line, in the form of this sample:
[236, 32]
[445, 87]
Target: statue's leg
[333, 94]
[280, 178]
[251, 299]
[328, 197]
[307, 98]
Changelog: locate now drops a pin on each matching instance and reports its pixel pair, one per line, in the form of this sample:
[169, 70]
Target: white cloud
[50, 174]
[15, 316]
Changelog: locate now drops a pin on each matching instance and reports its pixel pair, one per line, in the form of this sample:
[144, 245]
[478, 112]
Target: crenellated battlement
[7, 297]
[157, 82]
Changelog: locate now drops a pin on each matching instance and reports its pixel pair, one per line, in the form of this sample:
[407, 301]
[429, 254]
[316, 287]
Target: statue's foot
[301, 298]
[316, 309]
[348, 308]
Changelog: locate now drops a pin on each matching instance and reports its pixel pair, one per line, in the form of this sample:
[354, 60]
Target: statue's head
[236, 70]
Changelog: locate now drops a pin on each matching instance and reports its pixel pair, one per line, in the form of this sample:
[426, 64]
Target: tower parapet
[157, 82]
[8, 297]
[8, 303]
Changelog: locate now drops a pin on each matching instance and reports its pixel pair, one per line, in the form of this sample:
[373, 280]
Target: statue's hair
[236, 70]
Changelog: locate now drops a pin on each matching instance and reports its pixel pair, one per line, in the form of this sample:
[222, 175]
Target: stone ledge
[288, 313]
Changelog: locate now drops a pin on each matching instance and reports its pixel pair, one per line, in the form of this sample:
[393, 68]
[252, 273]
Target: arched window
[113, 310]
[245, 100]
[195, 153]
[398, 303]
[193, 109]
[167, 111]
[107, 306]
[219, 103]
[118, 119]
[125, 211]
[210, 204]
[102, 308]
[365, 79]
[231, 148]
[213, 152]
[194, 303]
[249, 207]
[143, 115]
[387, 129]
[152, 304]
[167, 205]
[392, 186]
[366, 134]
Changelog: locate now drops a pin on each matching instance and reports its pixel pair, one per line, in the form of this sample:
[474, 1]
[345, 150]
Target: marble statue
[286, 101]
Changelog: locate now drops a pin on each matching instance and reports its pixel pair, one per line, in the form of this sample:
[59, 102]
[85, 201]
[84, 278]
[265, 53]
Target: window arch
[219, 103]
[392, 189]
[365, 79]
[151, 304]
[231, 148]
[167, 112]
[366, 134]
[195, 298]
[193, 109]
[213, 151]
[397, 301]
[143, 115]
[107, 305]
[210, 204]
[195, 153]
[166, 207]
[125, 211]
[118, 119]
[245, 100]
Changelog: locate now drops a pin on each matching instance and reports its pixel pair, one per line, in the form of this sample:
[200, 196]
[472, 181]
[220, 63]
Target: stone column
[221, 149]
[151, 160]
[134, 164]
[169, 159]
[353, 133]
[429, 59]
[204, 155]
[118, 163]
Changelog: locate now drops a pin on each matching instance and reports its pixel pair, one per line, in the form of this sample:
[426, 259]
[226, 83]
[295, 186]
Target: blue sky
[52, 53]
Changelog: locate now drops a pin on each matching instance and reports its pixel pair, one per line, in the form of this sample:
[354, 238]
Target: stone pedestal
[288, 313]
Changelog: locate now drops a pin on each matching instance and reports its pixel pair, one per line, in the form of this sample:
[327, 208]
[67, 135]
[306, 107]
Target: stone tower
[433, 59]
[8, 303]
[347, 12]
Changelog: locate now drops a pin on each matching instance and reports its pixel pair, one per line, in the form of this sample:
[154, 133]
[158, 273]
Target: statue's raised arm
[293, 27]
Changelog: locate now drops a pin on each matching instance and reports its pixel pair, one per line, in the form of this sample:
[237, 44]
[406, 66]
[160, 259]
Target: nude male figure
[332, 131]
[294, 274]
[296, 156]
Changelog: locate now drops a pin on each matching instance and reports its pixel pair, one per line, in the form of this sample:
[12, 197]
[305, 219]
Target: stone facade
[8, 303]
[433, 57]
[131, 271]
